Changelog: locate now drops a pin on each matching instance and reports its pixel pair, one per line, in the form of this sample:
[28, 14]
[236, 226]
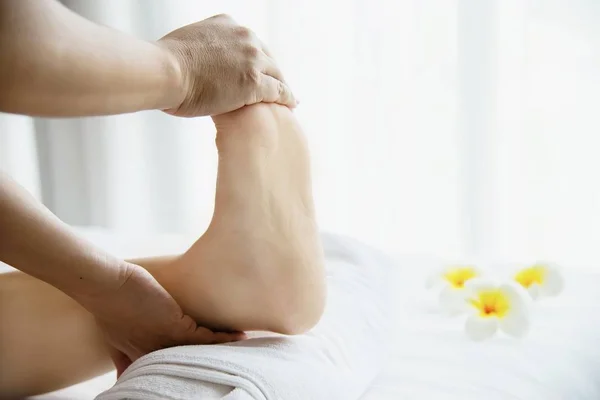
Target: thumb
[121, 361]
[203, 335]
[275, 91]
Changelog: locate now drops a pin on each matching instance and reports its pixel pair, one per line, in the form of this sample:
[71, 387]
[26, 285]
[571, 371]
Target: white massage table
[430, 357]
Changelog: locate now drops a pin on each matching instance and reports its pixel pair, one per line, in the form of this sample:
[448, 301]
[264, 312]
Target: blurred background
[456, 128]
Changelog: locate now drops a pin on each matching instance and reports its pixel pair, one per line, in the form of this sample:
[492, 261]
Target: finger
[239, 335]
[265, 49]
[206, 336]
[275, 91]
[226, 337]
[271, 69]
[121, 361]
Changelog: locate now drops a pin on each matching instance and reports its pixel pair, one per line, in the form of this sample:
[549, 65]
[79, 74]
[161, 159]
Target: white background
[456, 128]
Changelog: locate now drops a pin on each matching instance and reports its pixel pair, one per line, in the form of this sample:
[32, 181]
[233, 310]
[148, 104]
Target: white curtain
[452, 127]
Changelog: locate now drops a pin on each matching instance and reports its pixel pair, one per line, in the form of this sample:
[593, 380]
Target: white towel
[338, 359]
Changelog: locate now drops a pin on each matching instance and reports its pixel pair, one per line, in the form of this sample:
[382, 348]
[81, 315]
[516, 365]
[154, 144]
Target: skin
[262, 246]
[58, 64]
[259, 266]
[136, 314]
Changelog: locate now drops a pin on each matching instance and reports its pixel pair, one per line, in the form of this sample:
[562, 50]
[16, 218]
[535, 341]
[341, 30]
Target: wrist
[97, 278]
[98, 294]
[175, 87]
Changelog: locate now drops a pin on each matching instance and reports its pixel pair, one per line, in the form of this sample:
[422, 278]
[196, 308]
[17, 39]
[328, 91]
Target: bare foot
[259, 266]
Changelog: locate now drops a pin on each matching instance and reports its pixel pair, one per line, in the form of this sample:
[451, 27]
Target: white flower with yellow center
[541, 279]
[495, 306]
[453, 280]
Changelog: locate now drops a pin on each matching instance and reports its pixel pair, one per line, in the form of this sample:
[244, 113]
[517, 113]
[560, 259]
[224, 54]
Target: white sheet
[431, 358]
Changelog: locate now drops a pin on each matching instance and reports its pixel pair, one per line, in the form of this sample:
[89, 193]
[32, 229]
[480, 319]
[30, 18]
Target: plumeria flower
[453, 280]
[493, 306]
[541, 279]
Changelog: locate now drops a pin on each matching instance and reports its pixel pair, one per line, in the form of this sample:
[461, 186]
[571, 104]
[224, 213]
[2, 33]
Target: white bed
[430, 357]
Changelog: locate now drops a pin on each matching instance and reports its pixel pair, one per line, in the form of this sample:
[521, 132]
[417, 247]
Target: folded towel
[338, 359]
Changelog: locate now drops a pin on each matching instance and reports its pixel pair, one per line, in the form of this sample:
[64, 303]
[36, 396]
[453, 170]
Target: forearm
[39, 244]
[56, 63]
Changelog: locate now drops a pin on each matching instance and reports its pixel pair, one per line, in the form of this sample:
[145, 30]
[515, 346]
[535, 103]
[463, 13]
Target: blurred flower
[541, 279]
[493, 306]
[453, 280]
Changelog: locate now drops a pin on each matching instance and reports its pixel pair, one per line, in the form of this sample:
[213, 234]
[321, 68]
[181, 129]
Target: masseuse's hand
[138, 316]
[224, 67]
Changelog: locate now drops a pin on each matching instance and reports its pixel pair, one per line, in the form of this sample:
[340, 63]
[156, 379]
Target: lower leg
[47, 340]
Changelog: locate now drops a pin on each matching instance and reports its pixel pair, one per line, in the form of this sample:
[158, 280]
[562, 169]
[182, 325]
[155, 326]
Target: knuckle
[188, 325]
[251, 52]
[184, 327]
[222, 16]
[242, 32]
[251, 77]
